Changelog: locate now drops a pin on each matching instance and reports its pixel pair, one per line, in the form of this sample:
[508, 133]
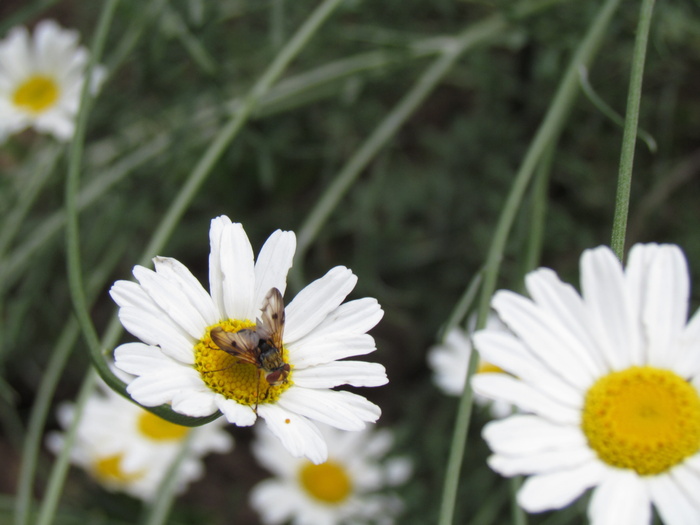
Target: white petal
[216, 277]
[177, 273]
[158, 331]
[195, 403]
[239, 415]
[273, 264]
[563, 302]
[687, 478]
[556, 490]
[522, 434]
[268, 491]
[665, 307]
[688, 364]
[615, 324]
[508, 353]
[503, 387]
[139, 359]
[354, 317]
[355, 373]
[542, 462]
[673, 504]
[621, 499]
[298, 435]
[547, 339]
[319, 350]
[161, 387]
[238, 273]
[339, 409]
[316, 301]
[172, 301]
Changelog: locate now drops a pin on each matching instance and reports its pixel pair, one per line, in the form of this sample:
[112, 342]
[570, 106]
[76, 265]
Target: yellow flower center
[36, 94]
[642, 418]
[487, 368]
[227, 375]
[158, 429]
[328, 482]
[109, 469]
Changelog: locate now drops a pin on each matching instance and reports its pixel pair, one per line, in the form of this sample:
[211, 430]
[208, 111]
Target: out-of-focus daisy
[450, 360]
[610, 380]
[41, 77]
[128, 449]
[180, 364]
[344, 489]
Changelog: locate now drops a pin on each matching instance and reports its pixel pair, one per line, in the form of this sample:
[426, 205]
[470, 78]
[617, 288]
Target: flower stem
[629, 136]
[547, 133]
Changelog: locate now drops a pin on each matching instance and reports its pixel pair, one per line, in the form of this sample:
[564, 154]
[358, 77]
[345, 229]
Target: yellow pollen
[108, 469]
[227, 375]
[328, 482]
[642, 418]
[486, 368]
[36, 94]
[158, 429]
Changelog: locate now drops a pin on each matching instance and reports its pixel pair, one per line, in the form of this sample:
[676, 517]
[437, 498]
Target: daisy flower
[610, 382]
[284, 372]
[344, 489]
[449, 362]
[41, 78]
[128, 449]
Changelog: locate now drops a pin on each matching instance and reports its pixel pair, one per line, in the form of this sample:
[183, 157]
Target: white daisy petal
[612, 315]
[298, 435]
[339, 409]
[688, 364]
[561, 300]
[665, 308]
[620, 499]
[239, 415]
[273, 264]
[542, 334]
[138, 359]
[195, 403]
[505, 388]
[674, 505]
[158, 331]
[172, 301]
[319, 351]
[178, 274]
[238, 273]
[216, 276]
[329, 375]
[542, 462]
[687, 478]
[316, 301]
[508, 353]
[557, 489]
[158, 388]
[526, 434]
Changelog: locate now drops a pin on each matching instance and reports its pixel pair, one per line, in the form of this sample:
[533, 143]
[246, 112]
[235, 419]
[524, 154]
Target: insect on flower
[260, 346]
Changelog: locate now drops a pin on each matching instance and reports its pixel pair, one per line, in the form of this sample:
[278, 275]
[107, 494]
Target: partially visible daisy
[125, 448]
[345, 489]
[450, 360]
[41, 78]
[610, 381]
[179, 363]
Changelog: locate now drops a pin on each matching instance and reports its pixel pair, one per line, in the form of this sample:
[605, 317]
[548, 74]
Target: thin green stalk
[547, 133]
[386, 129]
[157, 513]
[47, 388]
[180, 203]
[629, 136]
[47, 512]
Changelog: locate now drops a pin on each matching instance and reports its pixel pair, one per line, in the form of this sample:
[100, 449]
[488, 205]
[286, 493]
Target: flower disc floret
[37, 93]
[227, 375]
[642, 418]
[328, 482]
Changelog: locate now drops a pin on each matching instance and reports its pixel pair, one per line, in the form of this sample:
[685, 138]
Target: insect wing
[242, 344]
[272, 326]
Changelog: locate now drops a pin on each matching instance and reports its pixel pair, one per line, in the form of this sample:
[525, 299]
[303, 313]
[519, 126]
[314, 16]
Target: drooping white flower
[610, 384]
[450, 359]
[128, 449]
[41, 77]
[179, 363]
[347, 488]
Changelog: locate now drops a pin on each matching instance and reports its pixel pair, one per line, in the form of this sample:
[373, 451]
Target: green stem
[179, 204]
[547, 133]
[629, 136]
[47, 512]
[158, 512]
